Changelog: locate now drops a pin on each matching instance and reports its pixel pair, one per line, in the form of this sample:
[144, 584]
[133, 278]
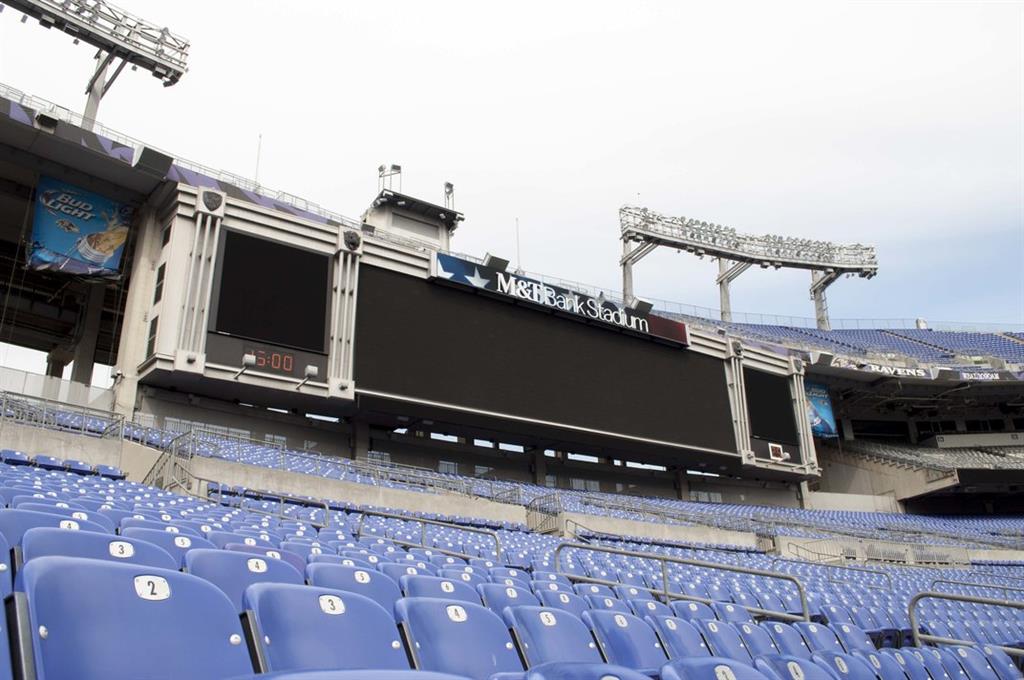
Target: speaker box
[151, 162]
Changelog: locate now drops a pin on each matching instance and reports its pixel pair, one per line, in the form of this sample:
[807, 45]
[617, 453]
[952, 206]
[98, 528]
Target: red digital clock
[274, 360]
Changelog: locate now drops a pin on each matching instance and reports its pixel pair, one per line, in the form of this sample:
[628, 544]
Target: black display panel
[770, 407]
[433, 342]
[271, 292]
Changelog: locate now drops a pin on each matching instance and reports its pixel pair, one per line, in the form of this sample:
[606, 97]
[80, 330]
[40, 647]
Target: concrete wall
[821, 500]
[661, 532]
[37, 440]
[253, 477]
[854, 474]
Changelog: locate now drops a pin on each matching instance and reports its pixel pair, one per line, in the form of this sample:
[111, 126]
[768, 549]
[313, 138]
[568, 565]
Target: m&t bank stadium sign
[506, 284]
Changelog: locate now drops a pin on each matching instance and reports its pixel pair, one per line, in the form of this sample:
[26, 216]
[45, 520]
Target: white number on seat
[121, 549]
[724, 673]
[621, 621]
[548, 619]
[456, 613]
[183, 541]
[362, 577]
[69, 524]
[152, 587]
[448, 586]
[256, 565]
[332, 604]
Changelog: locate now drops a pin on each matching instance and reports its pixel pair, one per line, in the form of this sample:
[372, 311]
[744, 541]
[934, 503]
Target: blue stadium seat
[679, 638]
[72, 513]
[546, 635]
[507, 572]
[596, 589]
[788, 640]
[845, 666]
[710, 668]
[632, 593]
[496, 597]
[693, 611]
[626, 640]
[299, 627]
[1001, 663]
[931, 660]
[233, 572]
[96, 620]
[911, 665]
[853, 638]
[455, 637]
[574, 604]
[883, 665]
[756, 639]
[14, 524]
[377, 586]
[41, 541]
[540, 575]
[467, 577]
[351, 675]
[779, 667]
[974, 663]
[820, 638]
[291, 558]
[732, 613]
[159, 525]
[598, 603]
[176, 545]
[551, 586]
[951, 663]
[648, 607]
[723, 640]
[396, 571]
[435, 586]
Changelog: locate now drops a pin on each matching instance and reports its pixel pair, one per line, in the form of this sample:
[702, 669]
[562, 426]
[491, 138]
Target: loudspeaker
[151, 162]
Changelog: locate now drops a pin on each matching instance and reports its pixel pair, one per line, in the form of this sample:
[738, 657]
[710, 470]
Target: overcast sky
[899, 124]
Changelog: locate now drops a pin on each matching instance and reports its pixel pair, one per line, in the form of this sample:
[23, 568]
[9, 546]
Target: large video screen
[271, 292]
[431, 342]
[770, 406]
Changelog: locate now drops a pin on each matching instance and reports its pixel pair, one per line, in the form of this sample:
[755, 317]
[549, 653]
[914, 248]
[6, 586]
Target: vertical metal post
[723, 290]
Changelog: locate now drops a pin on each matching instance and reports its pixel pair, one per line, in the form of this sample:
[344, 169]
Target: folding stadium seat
[435, 586]
[853, 638]
[95, 620]
[176, 545]
[788, 640]
[540, 575]
[835, 614]
[48, 462]
[506, 572]
[1001, 663]
[496, 597]
[134, 522]
[679, 638]
[732, 613]
[632, 593]
[397, 571]
[723, 640]
[883, 665]
[298, 627]
[232, 572]
[72, 513]
[846, 667]
[41, 541]
[574, 604]
[456, 637]
[693, 611]
[222, 538]
[14, 524]
[551, 586]
[950, 662]
[756, 639]
[379, 587]
[291, 558]
[974, 663]
[793, 668]
[911, 665]
[930, 659]
[820, 638]
[109, 471]
[581, 671]
[607, 604]
[711, 668]
[585, 589]
[625, 640]
[546, 635]
[11, 457]
[644, 607]
[467, 577]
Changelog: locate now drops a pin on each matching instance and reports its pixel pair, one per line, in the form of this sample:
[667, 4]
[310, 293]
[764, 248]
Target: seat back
[176, 545]
[883, 665]
[649, 607]
[931, 660]
[574, 604]
[819, 638]
[910, 664]
[756, 639]
[792, 668]
[373, 584]
[41, 541]
[437, 586]
[733, 613]
[496, 597]
[679, 638]
[233, 572]
[974, 663]
[625, 640]
[311, 628]
[1001, 663]
[723, 640]
[547, 635]
[711, 668]
[106, 620]
[449, 636]
[693, 611]
[853, 638]
[845, 666]
[787, 639]
[598, 603]
[14, 524]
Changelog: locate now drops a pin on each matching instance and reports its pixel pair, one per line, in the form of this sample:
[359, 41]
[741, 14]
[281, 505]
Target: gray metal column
[821, 280]
[85, 350]
[727, 273]
[627, 272]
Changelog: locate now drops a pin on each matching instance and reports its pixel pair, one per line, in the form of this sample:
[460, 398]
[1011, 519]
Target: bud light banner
[77, 231]
[819, 410]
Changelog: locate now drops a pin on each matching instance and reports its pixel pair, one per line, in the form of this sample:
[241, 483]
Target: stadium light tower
[643, 230]
[117, 35]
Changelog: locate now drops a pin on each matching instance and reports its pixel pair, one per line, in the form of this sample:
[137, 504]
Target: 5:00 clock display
[277, 361]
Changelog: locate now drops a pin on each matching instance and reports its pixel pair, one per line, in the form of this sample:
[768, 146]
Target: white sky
[894, 123]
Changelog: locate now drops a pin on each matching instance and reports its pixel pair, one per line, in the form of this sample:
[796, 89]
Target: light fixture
[248, 361]
[640, 306]
[499, 263]
[310, 373]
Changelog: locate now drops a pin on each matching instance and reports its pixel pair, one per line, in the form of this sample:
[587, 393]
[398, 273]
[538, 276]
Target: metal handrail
[869, 570]
[423, 529]
[920, 637]
[283, 497]
[1003, 588]
[665, 559]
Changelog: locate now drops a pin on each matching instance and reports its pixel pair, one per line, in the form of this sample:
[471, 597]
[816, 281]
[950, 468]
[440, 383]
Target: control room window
[379, 457]
[551, 481]
[158, 288]
[447, 467]
[151, 341]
